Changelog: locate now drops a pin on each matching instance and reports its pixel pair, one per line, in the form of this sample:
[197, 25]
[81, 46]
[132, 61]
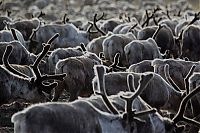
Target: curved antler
[34, 32]
[100, 71]
[186, 79]
[196, 17]
[6, 63]
[149, 17]
[38, 80]
[95, 20]
[143, 82]
[130, 83]
[169, 79]
[180, 115]
[157, 31]
[14, 34]
[90, 28]
[133, 27]
[115, 63]
[53, 38]
[83, 47]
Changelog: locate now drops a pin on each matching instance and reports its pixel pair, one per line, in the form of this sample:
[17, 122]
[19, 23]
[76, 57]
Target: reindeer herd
[136, 73]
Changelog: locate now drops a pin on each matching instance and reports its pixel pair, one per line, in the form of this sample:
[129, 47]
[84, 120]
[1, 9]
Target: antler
[115, 63]
[157, 31]
[149, 17]
[143, 82]
[95, 20]
[100, 71]
[83, 47]
[186, 79]
[180, 115]
[33, 33]
[53, 38]
[169, 79]
[130, 83]
[40, 78]
[14, 33]
[133, 27]
[41, 14]
[65, 19]
[196, 17]
[90, 27]
[6, 63]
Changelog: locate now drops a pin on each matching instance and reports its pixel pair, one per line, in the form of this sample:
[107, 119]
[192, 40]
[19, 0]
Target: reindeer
[16, 85]
[79, 71]
[70, 36]
[24, 26]
[190, 45]
[137, 51]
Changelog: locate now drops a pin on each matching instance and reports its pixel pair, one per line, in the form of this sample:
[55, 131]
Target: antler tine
[90, 27]
[116, 62]
[186, 79]
[59, 77]
[41, 56]
[196, 17]
[157, 31]
[153, 110]
[101, 17]
[100, 71]
[83, 47]
[155, 21]
[169, 79]
[65, 18]
[180, 115]
[168, 15]
[143, 82]
[38, 60]
[41, 14]
[34, 32]
[180, 35]
[147, 18]
[6, 63]
[150, 17]
[95, 20]
[130, 83]
[133, 27]
[53, 38]
[101, 55]
[14, 33]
